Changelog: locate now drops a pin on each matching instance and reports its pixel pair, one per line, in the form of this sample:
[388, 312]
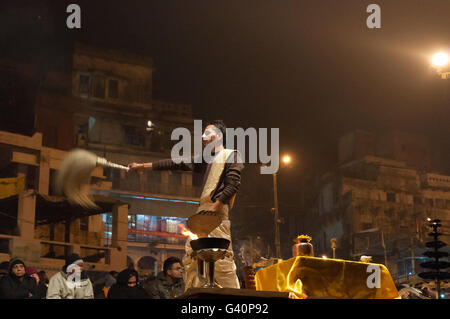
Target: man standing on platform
[222, 179]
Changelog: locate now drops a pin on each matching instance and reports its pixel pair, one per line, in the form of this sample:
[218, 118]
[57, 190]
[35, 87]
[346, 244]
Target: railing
[59, 250]
[156, 188]
[88, 253]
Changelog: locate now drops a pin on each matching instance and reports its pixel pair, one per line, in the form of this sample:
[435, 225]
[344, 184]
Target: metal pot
[302, 247]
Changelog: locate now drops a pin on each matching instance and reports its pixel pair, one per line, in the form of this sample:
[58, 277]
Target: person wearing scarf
[71, 282]
[127, 286]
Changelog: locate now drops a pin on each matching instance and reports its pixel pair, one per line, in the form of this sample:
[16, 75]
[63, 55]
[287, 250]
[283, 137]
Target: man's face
[176, 271]
[210, 134]
[18, 270]
[35, 276]
[132, 282]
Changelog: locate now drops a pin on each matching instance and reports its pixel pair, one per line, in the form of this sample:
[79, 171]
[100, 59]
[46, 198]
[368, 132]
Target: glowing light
[324, 257]
[187, 233]
[286, 159]
[440, 59]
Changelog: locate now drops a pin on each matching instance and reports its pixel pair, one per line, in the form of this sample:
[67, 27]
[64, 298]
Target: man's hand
[217, 206]
[140, 168]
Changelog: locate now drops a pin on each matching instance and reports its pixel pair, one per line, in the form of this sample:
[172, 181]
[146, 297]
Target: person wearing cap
[32, 272]
[71, 282]
[17, 284]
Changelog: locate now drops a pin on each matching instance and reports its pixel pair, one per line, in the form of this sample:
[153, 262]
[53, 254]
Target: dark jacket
[120, 290]
[42, 287]
[229, 182]
[12, 287]
[99, 285]
[160, 288]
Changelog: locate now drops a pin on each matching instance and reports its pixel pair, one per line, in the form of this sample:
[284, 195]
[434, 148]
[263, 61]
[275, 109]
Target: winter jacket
[60, 288]
[160, 288]
[11, 287]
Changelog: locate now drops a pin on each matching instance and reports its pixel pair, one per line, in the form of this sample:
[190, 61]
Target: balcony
[150, 184]
[47, 251]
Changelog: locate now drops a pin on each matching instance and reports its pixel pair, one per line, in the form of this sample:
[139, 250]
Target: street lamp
[441, 61]
[286, 159]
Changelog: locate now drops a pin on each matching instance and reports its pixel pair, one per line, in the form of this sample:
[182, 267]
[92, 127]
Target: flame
[187, 233]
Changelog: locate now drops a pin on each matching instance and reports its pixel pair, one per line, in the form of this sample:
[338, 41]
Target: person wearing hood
[32, 272]
[127, 286]
[17, 284]
[71, 282]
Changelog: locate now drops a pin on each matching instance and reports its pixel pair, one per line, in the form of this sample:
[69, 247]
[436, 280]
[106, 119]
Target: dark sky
[311, 68]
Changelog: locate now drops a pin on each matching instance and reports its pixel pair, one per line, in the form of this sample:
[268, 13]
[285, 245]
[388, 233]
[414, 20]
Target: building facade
[105, 105]
[379, 207]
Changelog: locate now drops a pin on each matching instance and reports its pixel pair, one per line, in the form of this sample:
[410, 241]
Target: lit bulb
[440, 59]
[286, 159]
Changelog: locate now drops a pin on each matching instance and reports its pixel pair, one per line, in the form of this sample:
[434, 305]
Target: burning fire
[187, 233]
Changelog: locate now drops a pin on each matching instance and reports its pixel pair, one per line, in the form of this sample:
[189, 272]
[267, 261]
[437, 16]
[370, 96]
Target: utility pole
[412, 256]
[384, 248]
[276, 217]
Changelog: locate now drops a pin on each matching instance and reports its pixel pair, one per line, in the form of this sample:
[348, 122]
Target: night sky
[311, 68]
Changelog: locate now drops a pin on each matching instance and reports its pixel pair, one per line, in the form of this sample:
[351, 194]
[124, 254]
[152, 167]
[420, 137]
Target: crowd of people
[73, 282]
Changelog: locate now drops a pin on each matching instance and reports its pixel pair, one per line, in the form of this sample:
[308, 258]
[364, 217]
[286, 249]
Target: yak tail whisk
[74, 176]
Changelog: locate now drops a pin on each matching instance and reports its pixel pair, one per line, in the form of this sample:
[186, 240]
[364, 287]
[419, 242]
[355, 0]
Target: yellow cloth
[11, 186]
[325, 278]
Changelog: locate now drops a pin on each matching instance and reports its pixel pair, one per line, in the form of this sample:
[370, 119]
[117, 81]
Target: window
[98, 87]
[113, 89]
[107, 220]
[145, 228]
[84, 84]
[131, 226]
[132, 136]
[390, 197]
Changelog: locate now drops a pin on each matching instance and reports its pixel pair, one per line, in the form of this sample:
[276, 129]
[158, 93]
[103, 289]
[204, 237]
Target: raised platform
[231, 293]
